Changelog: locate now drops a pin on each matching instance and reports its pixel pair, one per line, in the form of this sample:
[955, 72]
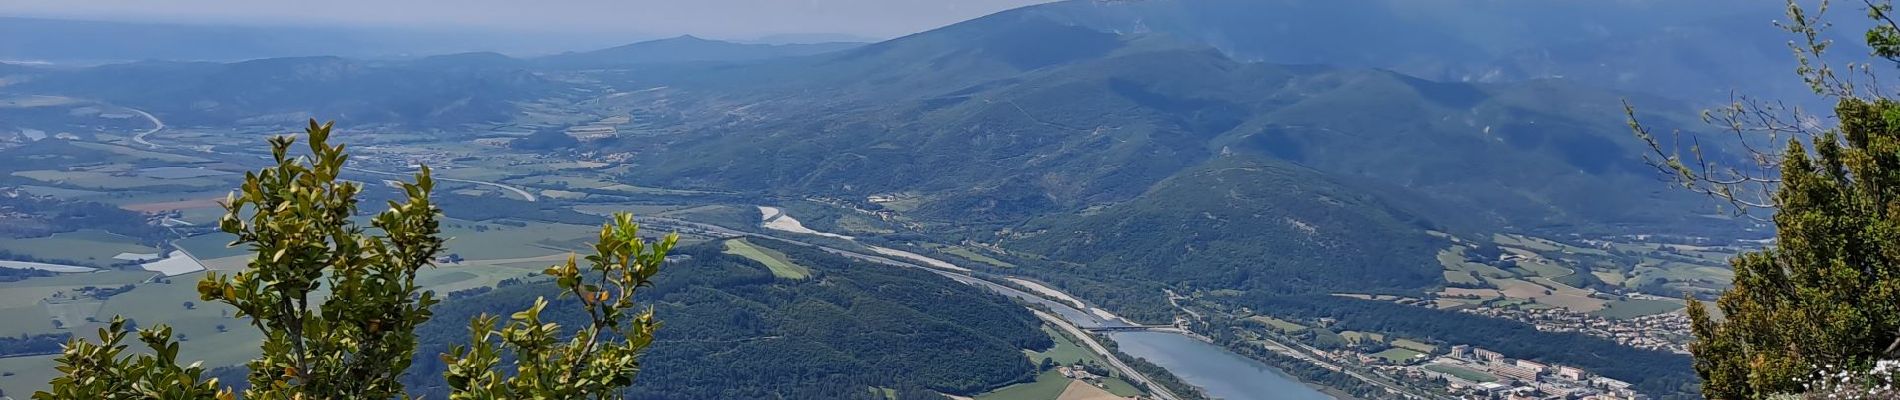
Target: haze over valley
[1158, 199]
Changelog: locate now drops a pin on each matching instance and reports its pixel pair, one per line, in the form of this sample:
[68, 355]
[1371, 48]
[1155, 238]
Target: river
[1218, 372]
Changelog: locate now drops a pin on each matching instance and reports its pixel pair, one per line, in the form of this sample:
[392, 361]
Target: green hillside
[1242, 222]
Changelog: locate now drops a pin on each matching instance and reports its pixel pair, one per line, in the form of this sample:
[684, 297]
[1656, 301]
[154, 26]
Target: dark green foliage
[19, 274]
[736, 332]
[546, 139]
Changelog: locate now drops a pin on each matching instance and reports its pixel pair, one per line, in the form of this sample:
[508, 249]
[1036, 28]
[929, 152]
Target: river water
[1218, 372]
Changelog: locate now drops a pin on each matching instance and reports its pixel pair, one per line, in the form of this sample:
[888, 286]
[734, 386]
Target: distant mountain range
[1078, 129]
[1690, 49]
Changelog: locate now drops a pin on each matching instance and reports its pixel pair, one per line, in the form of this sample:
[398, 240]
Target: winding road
[523, 193]
[157, 125]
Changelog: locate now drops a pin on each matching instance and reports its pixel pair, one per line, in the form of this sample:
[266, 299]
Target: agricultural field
[772, 259]
[89, 246]
[1626, 309]
[1065, 352]
[490, 241]
[1278, 324]
[1048, 386]
[1545, 274]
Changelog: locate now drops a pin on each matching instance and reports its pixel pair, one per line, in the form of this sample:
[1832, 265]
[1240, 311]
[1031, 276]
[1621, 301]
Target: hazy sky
[715, 18]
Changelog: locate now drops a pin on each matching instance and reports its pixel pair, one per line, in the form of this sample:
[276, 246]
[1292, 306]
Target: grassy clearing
[495, 241]
[1453, 259]
[156, 303]
[1398, 355]
[860, 224]
[1065, 352]
[210, 246]
[1462, 373]
[1545, 291]
[976, 256]
[1120, 388]
[1357, 336]
[773, 260]
[1626, 309]
[1543, 267]
[1048, 386]
[1278, 324]
[1414, 345]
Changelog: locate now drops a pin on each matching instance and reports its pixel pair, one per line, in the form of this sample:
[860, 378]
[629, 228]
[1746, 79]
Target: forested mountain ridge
[1067, 133]
[1659, 47]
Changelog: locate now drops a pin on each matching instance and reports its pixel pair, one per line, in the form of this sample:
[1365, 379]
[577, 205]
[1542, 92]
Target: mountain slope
[984, 139]
[1247, 222]
[1642, 45]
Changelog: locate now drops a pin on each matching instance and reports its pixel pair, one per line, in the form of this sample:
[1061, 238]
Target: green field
[1398, 355]
[111, 181]
[1453, 259]
[497, 242]
[1048, 386]
[90, 246]
[974, 255]
[1357, 336]
[772, 259]
[1544, 268]
[1626, 309]
[1279, 324]
[1414, 345]
[211, 245]
[1065, 352]
[1462, 373]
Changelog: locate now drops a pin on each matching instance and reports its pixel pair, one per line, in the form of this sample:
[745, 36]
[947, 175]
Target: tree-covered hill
[1653, 46]
[1244, 222]
[990, 140]
[734, 331]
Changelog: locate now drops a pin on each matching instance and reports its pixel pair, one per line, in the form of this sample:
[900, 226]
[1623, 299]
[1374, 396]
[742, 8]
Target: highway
[157, 125]
[525, 195]
[1160, 392]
